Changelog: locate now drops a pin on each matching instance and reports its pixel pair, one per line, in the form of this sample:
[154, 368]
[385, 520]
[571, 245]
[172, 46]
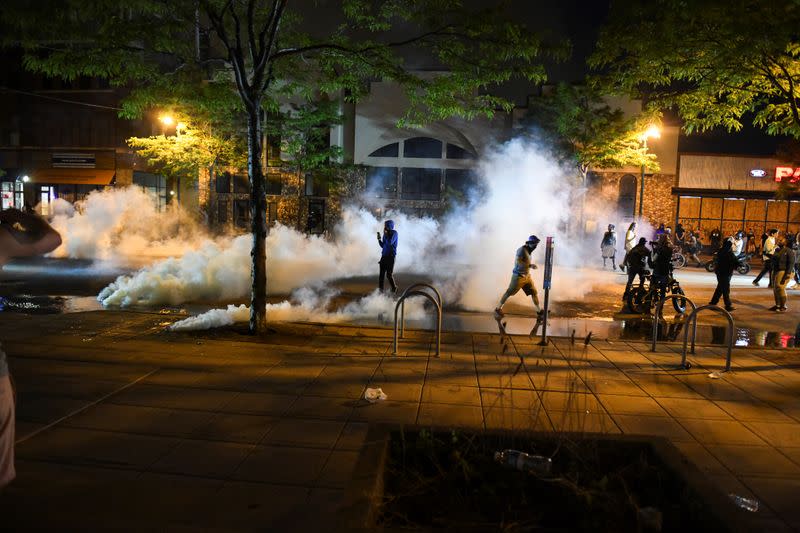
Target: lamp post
[655, 133]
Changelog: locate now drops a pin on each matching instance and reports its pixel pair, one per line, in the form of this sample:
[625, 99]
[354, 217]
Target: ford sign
[758, 173]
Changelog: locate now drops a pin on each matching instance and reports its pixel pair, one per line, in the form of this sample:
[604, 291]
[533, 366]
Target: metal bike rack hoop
[659, 312]
[403, 307]
[408, 294]
[692, 321]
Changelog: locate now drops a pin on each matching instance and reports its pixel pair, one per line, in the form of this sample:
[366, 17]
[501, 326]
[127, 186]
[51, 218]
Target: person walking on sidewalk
[608, 246]
[782, 267]
[21, 235]
[767, 250]
[727, 261]
[388, 246]
[521, 276]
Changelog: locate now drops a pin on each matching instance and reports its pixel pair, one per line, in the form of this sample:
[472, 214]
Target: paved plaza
[121, 425]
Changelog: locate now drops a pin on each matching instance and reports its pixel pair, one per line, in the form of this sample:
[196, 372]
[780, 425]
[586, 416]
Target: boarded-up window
[777, 210]
[690, 207]
[756, 210]
[734, 210]
[712, 208]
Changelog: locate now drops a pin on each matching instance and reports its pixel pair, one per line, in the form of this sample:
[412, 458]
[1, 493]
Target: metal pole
[641, 184]
[548, 276]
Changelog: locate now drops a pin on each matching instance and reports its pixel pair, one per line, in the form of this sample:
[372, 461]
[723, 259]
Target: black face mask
[531, 247]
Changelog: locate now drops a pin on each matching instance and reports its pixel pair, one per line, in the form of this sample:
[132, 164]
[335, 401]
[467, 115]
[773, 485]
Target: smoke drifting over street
[469, 253]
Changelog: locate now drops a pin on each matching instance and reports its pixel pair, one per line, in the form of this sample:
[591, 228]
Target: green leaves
[718, 62]
[583, 131]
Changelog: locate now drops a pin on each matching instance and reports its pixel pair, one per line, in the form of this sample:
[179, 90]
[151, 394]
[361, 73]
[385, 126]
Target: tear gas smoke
[305, 305]
[469, 253]
[119, 225]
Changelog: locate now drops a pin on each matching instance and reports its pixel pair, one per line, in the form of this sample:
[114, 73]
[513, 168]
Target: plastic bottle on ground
[524, 462]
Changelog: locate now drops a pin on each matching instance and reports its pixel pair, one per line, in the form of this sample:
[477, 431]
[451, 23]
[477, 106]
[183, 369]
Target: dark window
[241, 184]
[315, 222]
[222, 211]
[273, 150]
[456, 152]
[422, 147]
[627, 195]
[460, 180]
[316, 185]
[593, 179]
[272, 213]
[421, 183]
[224, 182]
[382, 182]
[274, 183]
[390, 150]
[241, 213]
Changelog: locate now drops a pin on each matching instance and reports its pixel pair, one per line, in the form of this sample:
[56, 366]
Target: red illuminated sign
[787, 172]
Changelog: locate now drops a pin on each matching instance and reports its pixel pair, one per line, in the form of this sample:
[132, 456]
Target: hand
[378, 234]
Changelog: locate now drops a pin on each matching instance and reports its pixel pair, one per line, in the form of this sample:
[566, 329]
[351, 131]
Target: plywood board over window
[712, 208]
[756, 210]
[734, 210]
[690, 207]
[777, 210]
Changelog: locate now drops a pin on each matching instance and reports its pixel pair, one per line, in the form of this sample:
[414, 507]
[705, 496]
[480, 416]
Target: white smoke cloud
[122, 224]
[469, 254]
[306, 305]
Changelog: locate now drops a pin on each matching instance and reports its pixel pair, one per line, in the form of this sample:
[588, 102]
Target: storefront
[734, 193]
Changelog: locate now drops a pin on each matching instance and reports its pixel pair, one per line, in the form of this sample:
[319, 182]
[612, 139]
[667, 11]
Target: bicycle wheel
[636, 299]
[711, 265]
[743, 269]
[678, 261]
[678, 303]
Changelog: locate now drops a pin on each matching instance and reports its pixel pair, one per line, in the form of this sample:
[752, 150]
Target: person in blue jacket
[388, 246]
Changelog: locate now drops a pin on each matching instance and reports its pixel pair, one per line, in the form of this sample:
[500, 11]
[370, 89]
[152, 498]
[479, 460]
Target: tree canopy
[719, 62]
[584, 131]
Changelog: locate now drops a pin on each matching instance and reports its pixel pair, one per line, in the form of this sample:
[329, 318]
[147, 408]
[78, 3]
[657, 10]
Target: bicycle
[642, 299]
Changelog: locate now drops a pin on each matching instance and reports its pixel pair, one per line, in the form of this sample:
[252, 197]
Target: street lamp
[166, 120]
[651, 132]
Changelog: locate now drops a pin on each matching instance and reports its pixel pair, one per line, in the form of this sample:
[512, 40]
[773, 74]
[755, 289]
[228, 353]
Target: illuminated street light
[652, 132]
[26, 178]
[167, 120]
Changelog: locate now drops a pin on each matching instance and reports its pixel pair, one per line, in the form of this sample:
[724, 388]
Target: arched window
[456, 152]
[390, 150]
[626, 203]
[422, 147]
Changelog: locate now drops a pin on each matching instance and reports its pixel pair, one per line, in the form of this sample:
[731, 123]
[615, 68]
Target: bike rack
[403, 307]
[660, 311]
[692, 320]
[409, 293]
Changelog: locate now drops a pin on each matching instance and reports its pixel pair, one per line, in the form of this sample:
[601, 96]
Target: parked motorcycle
[743, 268]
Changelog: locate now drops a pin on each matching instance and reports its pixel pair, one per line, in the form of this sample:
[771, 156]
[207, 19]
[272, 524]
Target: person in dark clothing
[636, 261]
[716, 239]
[661, 263]
[782, 268]
[388, 246]
[680, 234]
[726, 264]
[659, 231]
[693, 246]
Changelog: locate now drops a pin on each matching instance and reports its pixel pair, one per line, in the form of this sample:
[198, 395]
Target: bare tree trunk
[258, 209]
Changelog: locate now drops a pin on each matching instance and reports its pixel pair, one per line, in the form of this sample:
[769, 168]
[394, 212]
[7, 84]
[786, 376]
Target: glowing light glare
[652, 132]
[167, 120]
[180, 126]
[172, 193]
[26, 178]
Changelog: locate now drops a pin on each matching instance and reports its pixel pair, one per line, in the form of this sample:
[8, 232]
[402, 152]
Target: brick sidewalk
[121, 425]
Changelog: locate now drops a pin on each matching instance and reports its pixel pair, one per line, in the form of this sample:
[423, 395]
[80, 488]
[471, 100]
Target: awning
[71, 176]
